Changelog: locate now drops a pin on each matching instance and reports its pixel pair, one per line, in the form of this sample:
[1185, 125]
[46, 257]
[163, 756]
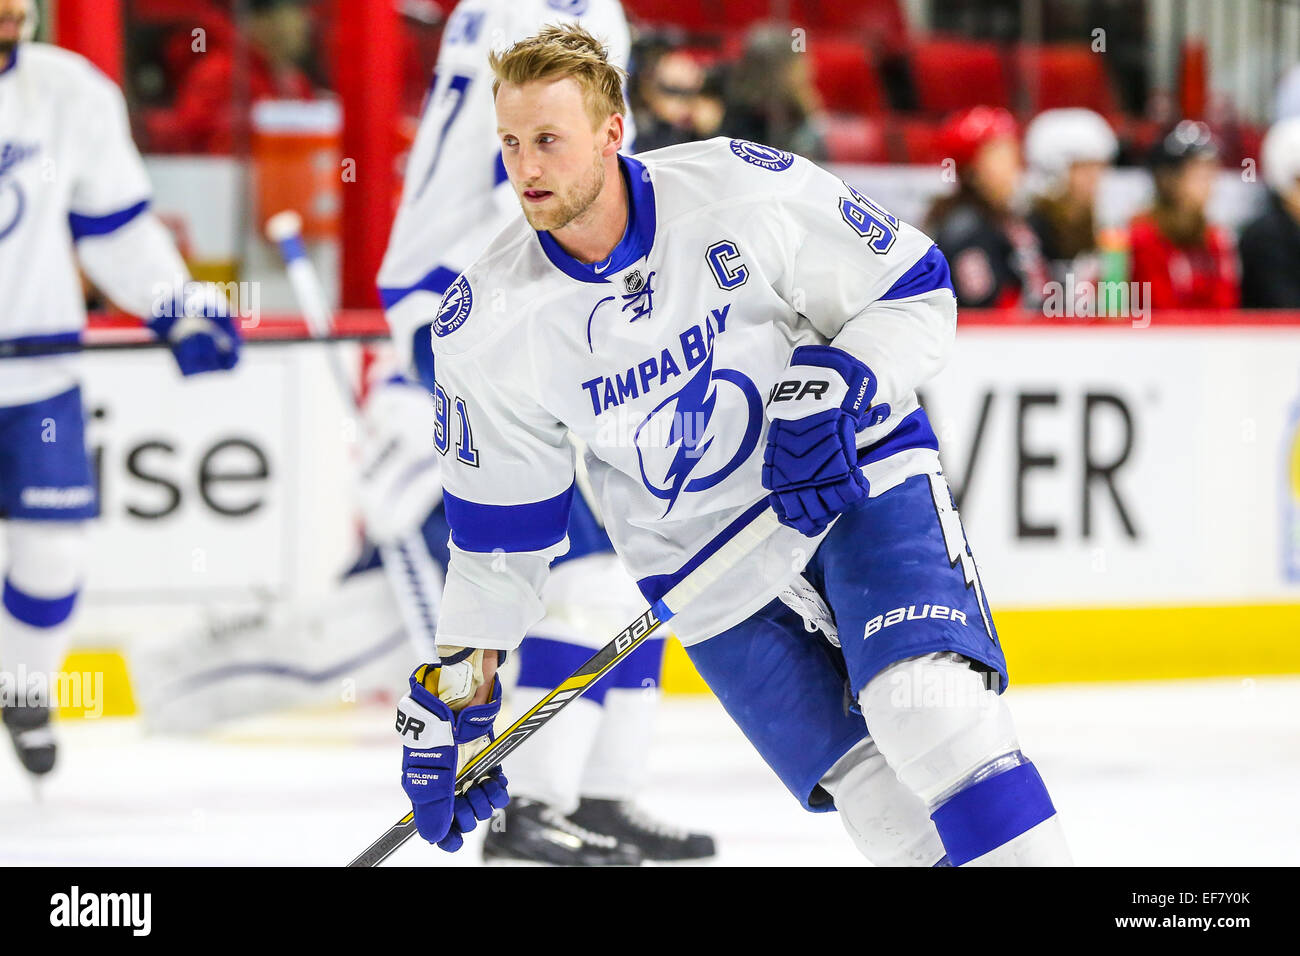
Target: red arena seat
[952, 74]
[1062, 75]
[845, 76]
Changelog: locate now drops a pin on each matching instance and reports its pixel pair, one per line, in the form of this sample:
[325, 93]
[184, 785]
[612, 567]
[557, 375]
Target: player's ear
[612, 138]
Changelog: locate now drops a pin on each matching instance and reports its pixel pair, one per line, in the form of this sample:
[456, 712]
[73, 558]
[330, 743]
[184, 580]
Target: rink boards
[1131, 492]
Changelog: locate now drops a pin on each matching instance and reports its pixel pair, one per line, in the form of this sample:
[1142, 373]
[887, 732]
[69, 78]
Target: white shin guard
[888, 823]
[45, 567]
[617, 767]
[951, 742]
[550, 768]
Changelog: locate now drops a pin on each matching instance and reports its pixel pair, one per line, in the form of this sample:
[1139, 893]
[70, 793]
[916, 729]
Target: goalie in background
[573, 783]
[73, 191]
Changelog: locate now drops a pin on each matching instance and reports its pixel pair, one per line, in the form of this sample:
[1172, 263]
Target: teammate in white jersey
[728, 328]
[73, 191]
[574, 788]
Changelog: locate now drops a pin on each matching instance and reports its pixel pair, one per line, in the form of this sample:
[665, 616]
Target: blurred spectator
[214, 99]
[771, 98]
[1188, 262]
[994, 255]
[1270, 244]
[711, 104]
[1068, 150]
[667, 90]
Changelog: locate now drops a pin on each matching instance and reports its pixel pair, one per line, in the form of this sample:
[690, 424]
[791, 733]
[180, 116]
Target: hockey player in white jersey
[72, 190]
[728, 328]
[574, 789]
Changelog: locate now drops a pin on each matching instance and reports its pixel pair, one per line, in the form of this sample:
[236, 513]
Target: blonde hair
[560, 51]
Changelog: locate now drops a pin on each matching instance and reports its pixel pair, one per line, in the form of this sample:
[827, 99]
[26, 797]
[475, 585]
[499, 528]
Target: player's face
[554, 159]
[13, 13]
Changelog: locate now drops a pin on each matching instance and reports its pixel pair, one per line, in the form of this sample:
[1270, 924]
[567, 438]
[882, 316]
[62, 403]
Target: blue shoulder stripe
[437, 280]
[930, 272]
[528, 527]
[85, 226]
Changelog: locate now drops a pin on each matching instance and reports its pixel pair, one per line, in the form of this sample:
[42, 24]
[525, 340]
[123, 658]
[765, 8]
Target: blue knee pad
[36, 611]
[992, 812]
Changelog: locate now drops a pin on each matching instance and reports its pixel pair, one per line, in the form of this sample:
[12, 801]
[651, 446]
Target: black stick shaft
[37, 350]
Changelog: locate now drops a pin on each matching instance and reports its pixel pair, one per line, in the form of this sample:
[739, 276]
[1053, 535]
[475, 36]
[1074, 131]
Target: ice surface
[1185, 773]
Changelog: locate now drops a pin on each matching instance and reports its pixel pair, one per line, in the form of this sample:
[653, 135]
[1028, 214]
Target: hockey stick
[40, 349]
[417, 598]
[580, 681]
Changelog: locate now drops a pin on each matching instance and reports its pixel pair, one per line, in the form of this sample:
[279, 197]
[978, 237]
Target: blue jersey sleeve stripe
[930, 272]
[914, 431]
[534, 526]
[86, 226]
[437, 280]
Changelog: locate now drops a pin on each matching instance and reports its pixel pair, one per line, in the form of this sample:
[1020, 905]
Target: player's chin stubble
[570, 206]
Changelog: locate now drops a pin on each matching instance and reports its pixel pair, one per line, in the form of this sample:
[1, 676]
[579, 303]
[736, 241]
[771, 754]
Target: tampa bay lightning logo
[690, 459]
[766, 157]
[574, 8]
[455, 308]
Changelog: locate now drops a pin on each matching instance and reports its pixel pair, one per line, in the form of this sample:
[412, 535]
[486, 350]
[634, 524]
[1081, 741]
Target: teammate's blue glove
[200, 330]
[816, 409]
[431, 737]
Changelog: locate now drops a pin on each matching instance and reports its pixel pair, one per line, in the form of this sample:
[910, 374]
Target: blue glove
[201, 331]
[429, 766]
[816, 409]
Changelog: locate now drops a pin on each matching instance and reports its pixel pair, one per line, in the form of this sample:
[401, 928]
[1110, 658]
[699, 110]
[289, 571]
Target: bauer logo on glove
[810, 465]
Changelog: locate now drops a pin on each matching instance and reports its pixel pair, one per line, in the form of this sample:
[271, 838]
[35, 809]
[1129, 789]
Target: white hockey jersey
[660, 360]
[72, 186]
[455, 197]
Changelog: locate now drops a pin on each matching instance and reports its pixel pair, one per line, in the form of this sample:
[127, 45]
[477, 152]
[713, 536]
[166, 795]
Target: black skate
[29, 728]
[527, 831]
[656, 841]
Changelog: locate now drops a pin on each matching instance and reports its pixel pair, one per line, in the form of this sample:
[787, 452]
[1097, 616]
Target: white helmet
[1281, 154]
[1057, 139]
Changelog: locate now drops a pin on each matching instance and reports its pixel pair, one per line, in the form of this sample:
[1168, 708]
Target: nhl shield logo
[634, 282]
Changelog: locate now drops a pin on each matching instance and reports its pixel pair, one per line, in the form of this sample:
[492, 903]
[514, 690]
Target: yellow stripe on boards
[1105, 644]
[93, 684]
[1042, 646]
